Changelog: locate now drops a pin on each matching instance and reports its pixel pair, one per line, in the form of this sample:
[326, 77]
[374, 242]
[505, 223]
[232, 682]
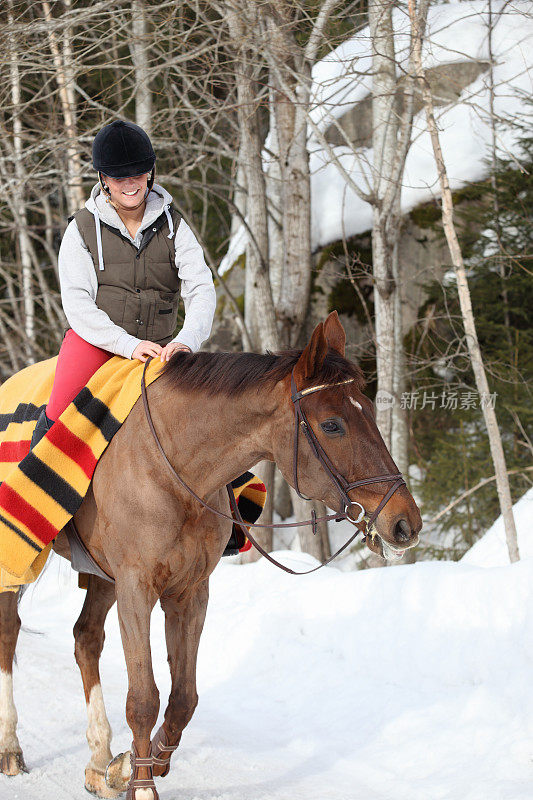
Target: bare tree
[139, 44]
[418, 18]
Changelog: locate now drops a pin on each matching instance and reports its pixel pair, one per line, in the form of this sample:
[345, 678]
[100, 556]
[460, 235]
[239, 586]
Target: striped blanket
[42, 489]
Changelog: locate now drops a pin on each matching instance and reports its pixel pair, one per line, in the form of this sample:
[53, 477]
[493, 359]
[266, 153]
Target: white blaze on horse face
[356, 404]
[9, 742]
[98, 730]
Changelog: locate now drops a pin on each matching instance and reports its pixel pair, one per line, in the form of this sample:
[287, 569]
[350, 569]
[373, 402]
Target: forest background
[226, 92]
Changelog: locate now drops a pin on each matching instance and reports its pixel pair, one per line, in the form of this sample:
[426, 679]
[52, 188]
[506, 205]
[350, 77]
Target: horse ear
[335, 334]
[312, 358]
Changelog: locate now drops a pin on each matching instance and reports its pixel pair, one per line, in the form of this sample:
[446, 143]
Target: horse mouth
[387, 551]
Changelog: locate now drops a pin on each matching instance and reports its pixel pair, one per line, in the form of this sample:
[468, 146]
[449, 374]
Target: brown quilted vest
[138, 289]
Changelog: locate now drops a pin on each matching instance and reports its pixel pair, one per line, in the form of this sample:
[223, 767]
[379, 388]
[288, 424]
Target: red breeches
[77, 361]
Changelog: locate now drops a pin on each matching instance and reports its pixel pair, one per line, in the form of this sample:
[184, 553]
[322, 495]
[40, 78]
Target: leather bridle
[340, 482]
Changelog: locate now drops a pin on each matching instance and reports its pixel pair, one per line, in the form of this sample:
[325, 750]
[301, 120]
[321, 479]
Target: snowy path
[412, 682]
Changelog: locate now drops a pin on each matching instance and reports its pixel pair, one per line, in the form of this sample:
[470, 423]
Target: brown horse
[217, 414]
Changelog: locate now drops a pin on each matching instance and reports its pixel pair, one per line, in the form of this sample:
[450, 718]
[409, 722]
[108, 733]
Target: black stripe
[242, 479]
[20, 533]
[250, 511]
[50, 482]
[97, 412]
[22, 413]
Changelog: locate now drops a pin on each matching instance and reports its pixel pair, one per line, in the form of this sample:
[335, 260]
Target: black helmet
[122, 149]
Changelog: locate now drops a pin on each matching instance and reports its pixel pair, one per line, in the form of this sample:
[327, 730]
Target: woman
[121, 262]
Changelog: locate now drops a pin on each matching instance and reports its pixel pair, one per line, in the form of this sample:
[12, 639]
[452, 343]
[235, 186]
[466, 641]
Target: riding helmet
[122, 149]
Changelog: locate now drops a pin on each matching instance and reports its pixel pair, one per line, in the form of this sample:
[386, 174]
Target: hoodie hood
[157, 203]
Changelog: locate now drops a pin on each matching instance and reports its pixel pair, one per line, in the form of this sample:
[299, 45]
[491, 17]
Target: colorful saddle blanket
[41, 490]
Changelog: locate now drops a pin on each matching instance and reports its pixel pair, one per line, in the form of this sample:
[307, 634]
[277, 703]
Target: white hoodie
[79, 283]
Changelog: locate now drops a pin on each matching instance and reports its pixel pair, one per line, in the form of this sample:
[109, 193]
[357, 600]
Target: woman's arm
[197, 289]
[79, 285]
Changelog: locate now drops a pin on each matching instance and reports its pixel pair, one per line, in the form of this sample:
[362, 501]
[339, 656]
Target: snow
[407, 682]
[457, 32]
[491, 549]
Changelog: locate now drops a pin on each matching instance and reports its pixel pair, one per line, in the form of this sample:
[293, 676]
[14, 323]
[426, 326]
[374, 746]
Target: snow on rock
[456, 32]
[404, 683]
[491, 549]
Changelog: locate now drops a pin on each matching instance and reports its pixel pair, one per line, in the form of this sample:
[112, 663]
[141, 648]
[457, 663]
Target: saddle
[42, 489]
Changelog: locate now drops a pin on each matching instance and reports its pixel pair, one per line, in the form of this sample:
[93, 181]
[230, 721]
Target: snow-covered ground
[491, 549]
[410, 682]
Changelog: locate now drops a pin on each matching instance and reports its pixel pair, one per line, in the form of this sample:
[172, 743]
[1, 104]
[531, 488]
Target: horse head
[344, 445]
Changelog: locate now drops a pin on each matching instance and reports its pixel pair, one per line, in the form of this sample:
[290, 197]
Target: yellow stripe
[7, 515]
[255, 496]
[12, 583]
[16, 431]
[15, 554]
[71, 472]
[42, 502]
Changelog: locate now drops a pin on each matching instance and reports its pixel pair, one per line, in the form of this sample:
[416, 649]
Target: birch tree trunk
[64, 67]
[478, 368]
[384, 235]
[139, 45]
[316, 545]
[275, 206]
[259, 305]
[290, 71]
[19, 209]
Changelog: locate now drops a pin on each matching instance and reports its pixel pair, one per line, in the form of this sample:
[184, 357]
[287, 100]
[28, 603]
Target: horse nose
[402, 532]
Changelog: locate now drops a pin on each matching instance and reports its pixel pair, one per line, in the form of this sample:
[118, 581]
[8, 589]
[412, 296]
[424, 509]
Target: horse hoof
[118, 772]
[95, 783]
[12, 764]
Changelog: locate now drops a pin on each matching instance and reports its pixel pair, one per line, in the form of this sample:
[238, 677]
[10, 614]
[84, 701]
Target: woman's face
[127, 193]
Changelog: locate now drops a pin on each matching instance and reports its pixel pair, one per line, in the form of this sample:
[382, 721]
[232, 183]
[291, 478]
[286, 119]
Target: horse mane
[231, 374]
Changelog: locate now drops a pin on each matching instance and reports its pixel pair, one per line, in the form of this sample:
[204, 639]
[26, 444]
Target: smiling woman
[127, 196]
[123, 262]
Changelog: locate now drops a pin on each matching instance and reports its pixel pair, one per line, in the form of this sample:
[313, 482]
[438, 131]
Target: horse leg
[11, 758]
[184, 621]
[89, 641]
[135, 604]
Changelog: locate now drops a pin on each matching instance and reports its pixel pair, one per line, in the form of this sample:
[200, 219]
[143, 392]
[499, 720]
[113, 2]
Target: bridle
[340, 482]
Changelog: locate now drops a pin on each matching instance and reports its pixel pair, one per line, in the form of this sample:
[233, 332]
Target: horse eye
[333, 427]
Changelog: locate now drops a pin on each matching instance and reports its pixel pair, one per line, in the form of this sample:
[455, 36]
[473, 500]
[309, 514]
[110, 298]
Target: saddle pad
[42, 489]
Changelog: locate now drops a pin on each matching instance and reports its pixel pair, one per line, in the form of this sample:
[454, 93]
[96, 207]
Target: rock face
[423, 258]
[447, 81]
[423, 253]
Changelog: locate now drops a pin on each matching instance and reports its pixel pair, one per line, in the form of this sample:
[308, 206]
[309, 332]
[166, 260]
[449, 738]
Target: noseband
[340, 482]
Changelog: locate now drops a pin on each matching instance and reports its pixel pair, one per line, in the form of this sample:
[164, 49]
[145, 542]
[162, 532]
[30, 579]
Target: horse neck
[210, 440]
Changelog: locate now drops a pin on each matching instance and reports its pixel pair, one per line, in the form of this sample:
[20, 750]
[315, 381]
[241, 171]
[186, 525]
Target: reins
[337, 478]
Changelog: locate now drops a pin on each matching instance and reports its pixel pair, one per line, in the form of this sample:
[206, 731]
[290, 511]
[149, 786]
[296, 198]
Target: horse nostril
[402, 531]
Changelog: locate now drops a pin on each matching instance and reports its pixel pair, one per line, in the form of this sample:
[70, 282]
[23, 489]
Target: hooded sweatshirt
[79, 283]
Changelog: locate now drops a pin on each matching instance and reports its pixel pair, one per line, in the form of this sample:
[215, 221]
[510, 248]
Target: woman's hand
[171, 348]
[145, 349]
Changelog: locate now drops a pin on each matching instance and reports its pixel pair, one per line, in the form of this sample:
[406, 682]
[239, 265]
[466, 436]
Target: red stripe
[74, 447]
[14, 451]
[246, 546]
[19, 508]
[259, 486]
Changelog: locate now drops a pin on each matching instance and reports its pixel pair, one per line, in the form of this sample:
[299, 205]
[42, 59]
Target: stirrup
[162, 752]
